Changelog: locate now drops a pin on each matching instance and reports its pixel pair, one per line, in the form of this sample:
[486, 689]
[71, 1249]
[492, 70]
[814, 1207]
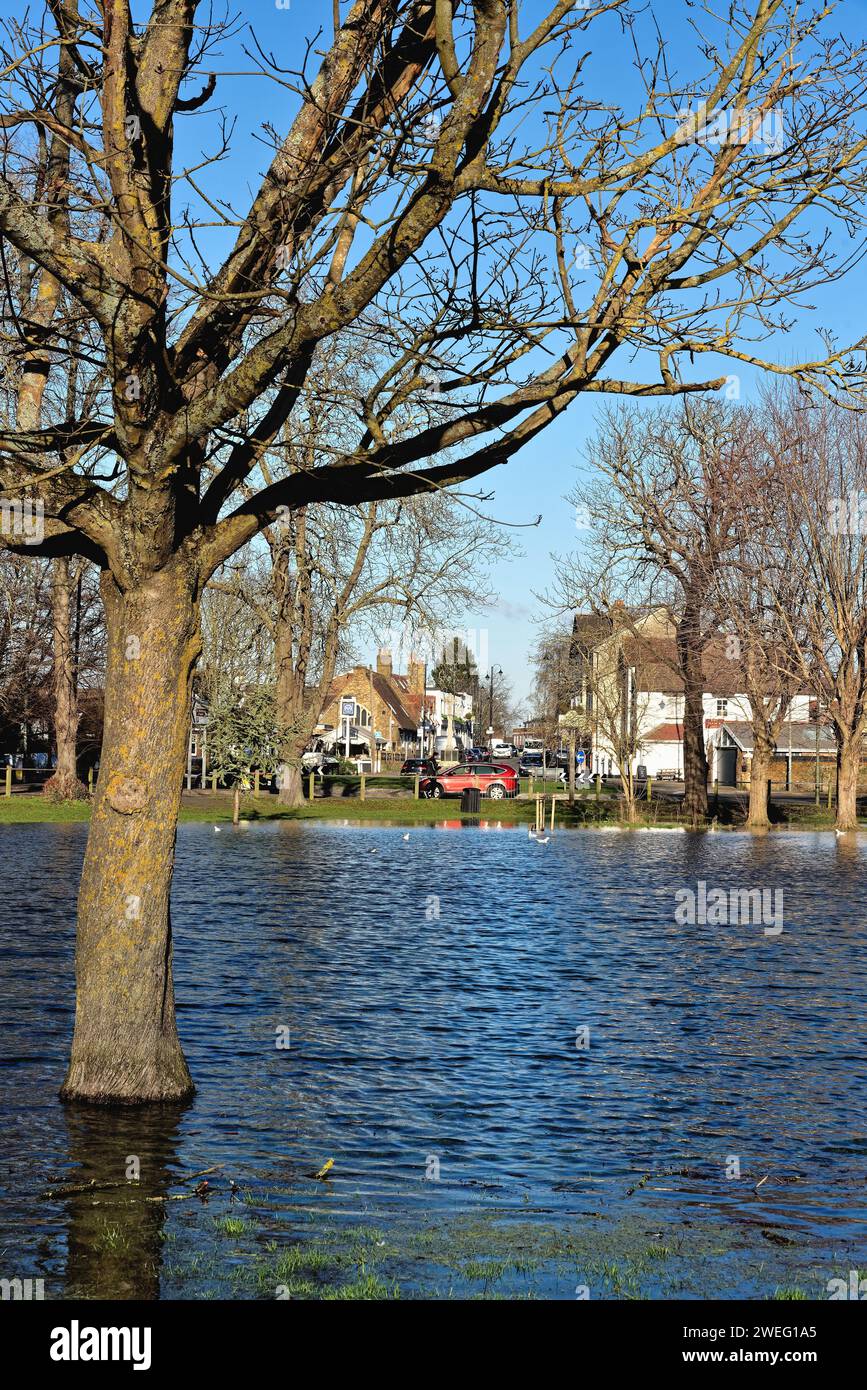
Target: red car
[496, 780]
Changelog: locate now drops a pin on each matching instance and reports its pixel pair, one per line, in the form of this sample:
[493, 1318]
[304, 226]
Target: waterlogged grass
[492, 1257]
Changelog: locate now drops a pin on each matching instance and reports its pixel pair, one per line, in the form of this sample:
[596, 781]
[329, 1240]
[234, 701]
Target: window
[722, 708]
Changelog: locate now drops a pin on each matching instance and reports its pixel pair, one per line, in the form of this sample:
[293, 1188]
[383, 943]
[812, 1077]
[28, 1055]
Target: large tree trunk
[694, 756]
[64, 784]
[848, 767]
[291, 785]
[125, 1048]
[760, 768]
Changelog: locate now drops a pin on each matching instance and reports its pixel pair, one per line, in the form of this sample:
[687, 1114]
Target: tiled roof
[664, 733]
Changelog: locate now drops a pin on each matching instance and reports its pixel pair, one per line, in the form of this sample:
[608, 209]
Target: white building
[633, 694]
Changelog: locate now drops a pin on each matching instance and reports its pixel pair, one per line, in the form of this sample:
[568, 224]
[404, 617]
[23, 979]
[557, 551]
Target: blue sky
[536, 480]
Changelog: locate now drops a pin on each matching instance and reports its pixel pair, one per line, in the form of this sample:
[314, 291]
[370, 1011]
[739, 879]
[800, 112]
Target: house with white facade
[632, 697]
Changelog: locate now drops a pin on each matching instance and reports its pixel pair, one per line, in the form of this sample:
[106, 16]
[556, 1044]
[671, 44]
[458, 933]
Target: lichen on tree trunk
[757, 816]
[125, 1047]
[848, 767]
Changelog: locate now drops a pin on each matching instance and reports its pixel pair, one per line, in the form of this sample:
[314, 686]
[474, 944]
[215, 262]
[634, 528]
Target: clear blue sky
[537, 480]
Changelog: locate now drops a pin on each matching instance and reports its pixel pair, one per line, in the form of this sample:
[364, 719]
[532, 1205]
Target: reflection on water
[432, 992]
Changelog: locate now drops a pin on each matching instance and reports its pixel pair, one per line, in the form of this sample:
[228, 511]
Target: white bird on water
[406, 837]
[542, 839]
[216, 830]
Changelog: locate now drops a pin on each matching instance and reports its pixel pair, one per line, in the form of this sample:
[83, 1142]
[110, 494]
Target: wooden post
[255, 783]
[415, 787]
[213, 781]
[90, 780]
[829, 793]
[8, 779]
[649, 788]
[363, 786]
[312, 780]
[553, 803]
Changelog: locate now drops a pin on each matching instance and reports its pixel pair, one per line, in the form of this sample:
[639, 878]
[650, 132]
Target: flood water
[435, 994]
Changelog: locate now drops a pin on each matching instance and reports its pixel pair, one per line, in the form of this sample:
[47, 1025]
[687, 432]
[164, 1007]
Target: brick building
[383, 709]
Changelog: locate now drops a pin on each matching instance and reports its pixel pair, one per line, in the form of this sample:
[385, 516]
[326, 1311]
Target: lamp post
[494, 671]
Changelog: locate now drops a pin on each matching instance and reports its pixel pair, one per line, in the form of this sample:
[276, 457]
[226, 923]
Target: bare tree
[408, 190]
[819, 526]
[760, 598]
[664, 509]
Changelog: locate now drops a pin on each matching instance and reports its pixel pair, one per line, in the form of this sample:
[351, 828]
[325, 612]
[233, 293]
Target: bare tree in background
[664, 508]
[818, 525]
[760, 598]
[512, 257]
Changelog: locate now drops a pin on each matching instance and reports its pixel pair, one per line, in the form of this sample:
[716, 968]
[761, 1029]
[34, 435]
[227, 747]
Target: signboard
[347, 709]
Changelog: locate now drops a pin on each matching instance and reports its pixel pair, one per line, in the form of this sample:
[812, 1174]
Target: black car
[423, 767]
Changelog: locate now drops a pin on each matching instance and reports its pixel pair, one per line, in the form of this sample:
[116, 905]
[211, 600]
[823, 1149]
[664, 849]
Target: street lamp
[494, 671]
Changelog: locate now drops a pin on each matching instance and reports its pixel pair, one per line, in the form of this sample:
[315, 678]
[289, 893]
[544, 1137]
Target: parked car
[530, 765]
[550, 771]
[496, 780]
[425, 767]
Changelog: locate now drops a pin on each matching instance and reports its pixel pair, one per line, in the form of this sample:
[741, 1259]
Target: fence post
[363, 786]
[213, 781]
[829, 793]
[8, 779]
[312, 779]
[255, 784]
[415, 788]
[90, 781]
[649, 789]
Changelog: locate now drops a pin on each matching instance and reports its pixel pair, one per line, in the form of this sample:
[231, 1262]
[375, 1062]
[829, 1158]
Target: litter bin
[471, 799]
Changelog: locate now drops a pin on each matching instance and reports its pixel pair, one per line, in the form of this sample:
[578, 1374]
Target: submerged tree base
[126, 1080]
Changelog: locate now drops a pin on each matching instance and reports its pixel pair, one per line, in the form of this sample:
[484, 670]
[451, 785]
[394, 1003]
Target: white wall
[655, 708]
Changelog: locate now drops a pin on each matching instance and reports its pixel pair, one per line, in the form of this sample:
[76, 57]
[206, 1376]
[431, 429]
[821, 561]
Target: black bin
[471, 799]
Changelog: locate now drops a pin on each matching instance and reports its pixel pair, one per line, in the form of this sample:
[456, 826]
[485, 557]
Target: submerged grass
[492, 1256]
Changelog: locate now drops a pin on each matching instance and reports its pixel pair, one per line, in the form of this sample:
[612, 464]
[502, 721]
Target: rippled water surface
[432, 991]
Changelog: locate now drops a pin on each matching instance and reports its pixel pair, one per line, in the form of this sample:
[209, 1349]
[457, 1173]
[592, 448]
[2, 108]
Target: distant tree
[664, 505]
[816, 517]
[243, 736]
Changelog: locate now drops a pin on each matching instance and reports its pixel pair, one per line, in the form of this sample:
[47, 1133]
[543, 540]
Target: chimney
[416, 675]
[383, 663]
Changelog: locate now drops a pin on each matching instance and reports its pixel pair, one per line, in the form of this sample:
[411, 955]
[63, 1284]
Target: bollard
[90, 780]
[312, 779]
[363, 786]
[415, 787]
[213, 782]
[649, 789]
[8, 779]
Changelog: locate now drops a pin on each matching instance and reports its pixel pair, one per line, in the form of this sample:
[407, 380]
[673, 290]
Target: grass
[31, 808]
